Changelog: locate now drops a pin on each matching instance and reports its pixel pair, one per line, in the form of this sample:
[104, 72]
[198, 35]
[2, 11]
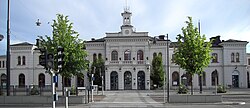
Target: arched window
[99, 56]
[21, 80]
[41, 80]
[215, 78]
[67, 82]
[3, 80]
[215, 58]
[24, 60]
[155, 54]
[94, 57]
[19, 60]
[237, 57]
[127, 55]
[160, 54]
[175, 78]
[232, 57]
[114, 55]
[140, 55]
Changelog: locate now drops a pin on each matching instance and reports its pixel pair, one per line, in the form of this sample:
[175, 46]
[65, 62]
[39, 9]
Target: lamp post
[168, 69]
[8, 50]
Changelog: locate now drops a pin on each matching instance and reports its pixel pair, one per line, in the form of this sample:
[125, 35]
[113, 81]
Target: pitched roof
[22, 44]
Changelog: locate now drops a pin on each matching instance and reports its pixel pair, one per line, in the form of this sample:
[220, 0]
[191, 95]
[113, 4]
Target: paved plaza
[236, 98]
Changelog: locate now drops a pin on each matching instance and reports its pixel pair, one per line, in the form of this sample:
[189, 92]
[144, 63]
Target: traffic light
[50, 61]
[60, 57]
[43, 58]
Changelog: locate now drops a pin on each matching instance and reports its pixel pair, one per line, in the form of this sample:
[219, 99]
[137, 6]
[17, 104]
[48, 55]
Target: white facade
[128, 56]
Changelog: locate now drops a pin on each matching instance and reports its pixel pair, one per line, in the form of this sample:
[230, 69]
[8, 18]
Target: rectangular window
[3, 64]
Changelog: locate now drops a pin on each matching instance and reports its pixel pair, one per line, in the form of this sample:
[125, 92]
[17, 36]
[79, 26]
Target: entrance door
[141, 80]
[127, 80]
[114, 80]
[235, 79]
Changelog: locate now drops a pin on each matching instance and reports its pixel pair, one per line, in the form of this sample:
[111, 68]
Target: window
[140, 55]
[172, 60]
[248, 61]
[67, 82]
[237, 57]
[21, 80]
[232, 57]
[41, 80]
[24, 60]
[99, 56]
[3, 80]
[154, 55]
[215, 78]
[80, 81]
[127, 55]
[94, 57]
[0, 64]
[160, 54]
[18, 60]
[203, 79]
[215, 58]
[175, 78]
[114, 55]
[3, 64]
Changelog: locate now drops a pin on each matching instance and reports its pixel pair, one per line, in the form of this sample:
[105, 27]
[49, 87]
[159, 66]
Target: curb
[233, 103]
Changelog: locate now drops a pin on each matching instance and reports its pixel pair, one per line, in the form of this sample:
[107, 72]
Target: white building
[128, 55]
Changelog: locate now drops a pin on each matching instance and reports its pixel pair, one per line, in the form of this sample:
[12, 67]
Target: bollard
[67, 98]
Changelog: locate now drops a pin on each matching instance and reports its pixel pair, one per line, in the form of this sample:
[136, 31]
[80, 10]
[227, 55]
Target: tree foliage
[97, 68]
[157, 74]
[193, 53]
[66, 37]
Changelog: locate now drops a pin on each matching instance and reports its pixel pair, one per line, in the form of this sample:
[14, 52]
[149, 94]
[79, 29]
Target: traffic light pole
[92, 88]
[53, 91]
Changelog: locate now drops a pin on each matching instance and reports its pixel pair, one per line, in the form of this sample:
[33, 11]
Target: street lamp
[168, 68]
[1, 37]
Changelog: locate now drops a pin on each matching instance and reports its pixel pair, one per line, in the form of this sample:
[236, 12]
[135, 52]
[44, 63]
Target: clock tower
[126, 28]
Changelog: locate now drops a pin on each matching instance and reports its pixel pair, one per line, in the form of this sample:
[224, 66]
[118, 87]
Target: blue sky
[93, 18]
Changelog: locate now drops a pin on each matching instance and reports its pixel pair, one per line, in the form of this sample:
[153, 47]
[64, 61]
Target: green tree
[157, 74]
[74, 48]
[193, 53]
[97, 68]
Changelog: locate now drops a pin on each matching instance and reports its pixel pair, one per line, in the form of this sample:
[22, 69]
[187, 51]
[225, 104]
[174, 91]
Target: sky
[93, 18]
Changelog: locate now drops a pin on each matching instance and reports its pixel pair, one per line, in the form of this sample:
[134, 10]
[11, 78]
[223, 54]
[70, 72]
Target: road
[149, 99]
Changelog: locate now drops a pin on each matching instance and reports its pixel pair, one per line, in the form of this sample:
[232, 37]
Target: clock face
[126, 31]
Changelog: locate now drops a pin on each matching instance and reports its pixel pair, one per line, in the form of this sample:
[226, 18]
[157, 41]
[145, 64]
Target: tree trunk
[62, 85]
[200, 80]
[192, 88]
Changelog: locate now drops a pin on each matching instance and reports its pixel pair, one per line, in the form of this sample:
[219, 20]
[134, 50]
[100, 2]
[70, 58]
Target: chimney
[92, 39]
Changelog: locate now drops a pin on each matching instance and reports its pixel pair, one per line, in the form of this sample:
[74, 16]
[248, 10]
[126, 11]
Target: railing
[127, 62]
[26, 90]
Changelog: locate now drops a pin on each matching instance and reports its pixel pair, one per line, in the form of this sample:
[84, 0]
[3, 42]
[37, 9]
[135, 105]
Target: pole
[8, 50]
[168, 68]
[53, 91]
[67, 98]
[92, 88]
[164, 87]
[102, 87]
